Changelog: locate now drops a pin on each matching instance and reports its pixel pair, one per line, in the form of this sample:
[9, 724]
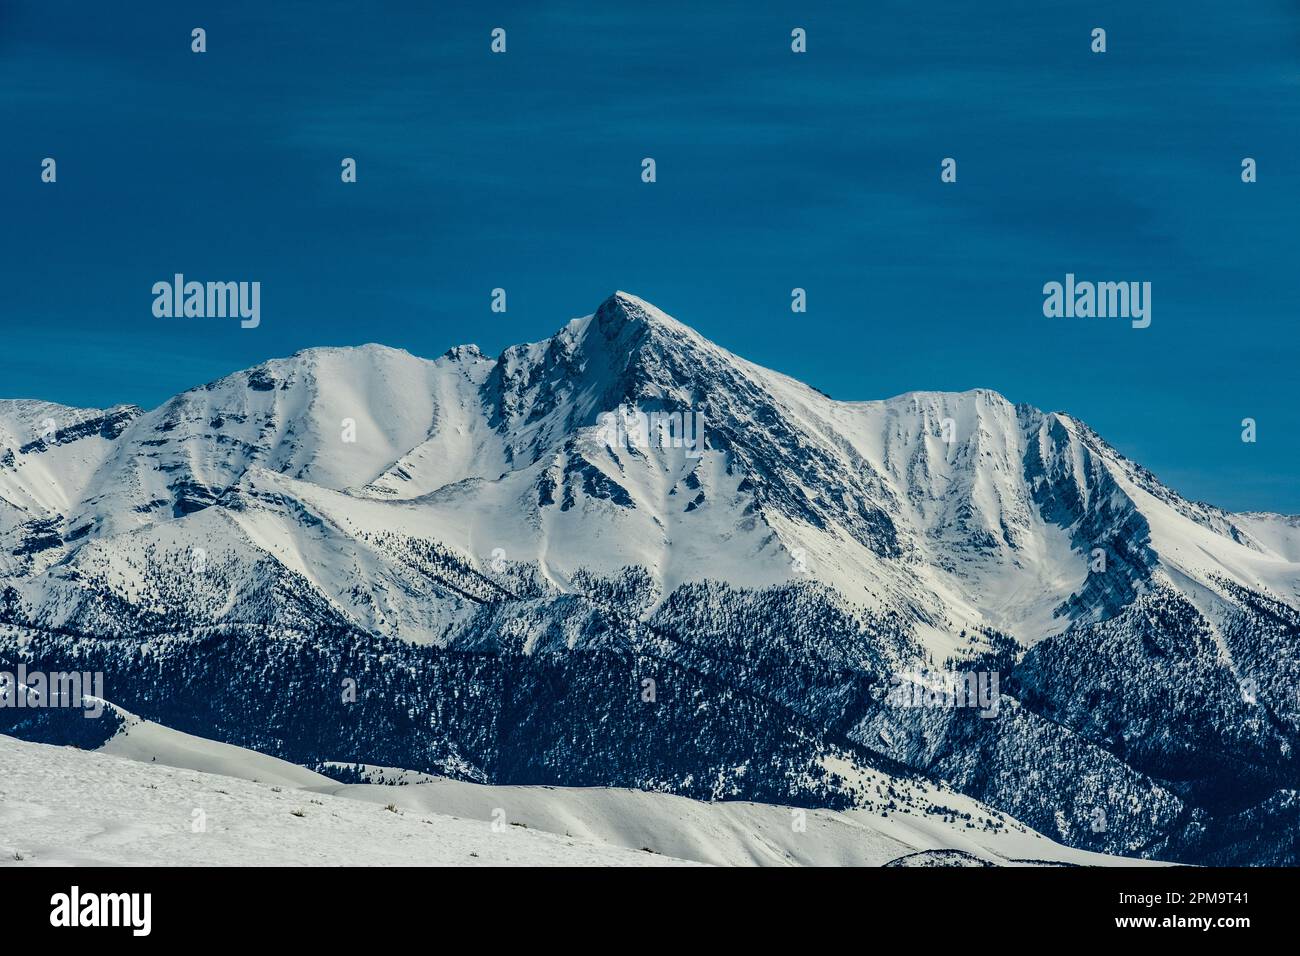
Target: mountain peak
[623, 309]
[464, 353]
[364, 351]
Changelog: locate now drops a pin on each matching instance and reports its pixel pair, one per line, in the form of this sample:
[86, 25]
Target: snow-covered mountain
[777, 543]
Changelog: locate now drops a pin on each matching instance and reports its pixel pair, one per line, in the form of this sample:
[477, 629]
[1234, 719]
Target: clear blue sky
[775, 170]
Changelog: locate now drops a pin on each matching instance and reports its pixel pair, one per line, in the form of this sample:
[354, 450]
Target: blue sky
[775, 170]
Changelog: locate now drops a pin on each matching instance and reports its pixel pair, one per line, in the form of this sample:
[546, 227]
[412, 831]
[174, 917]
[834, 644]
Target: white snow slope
[336, 466]
[61, 805]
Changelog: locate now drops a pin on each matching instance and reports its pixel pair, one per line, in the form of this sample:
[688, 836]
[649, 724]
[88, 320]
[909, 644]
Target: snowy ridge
[481, 514]
[962, 511]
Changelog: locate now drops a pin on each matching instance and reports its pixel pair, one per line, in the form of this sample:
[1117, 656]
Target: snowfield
[733, 833]
[65, 807]
[134, 802]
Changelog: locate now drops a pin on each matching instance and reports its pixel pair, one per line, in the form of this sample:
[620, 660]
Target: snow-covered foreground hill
[745, 834]
[134, 802]
[65, 807]
[523, 588]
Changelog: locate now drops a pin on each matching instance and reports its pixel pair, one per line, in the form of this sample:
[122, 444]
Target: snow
[453, 450]
[723, 834]
[53, 480]
[147, 742]
[64, 807]
[257, 472]
[732, 833]
[1198, 542]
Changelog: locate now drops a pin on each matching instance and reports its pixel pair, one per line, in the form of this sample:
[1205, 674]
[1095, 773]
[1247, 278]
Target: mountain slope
[758, 536]
[64, 807]
[928, 818]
